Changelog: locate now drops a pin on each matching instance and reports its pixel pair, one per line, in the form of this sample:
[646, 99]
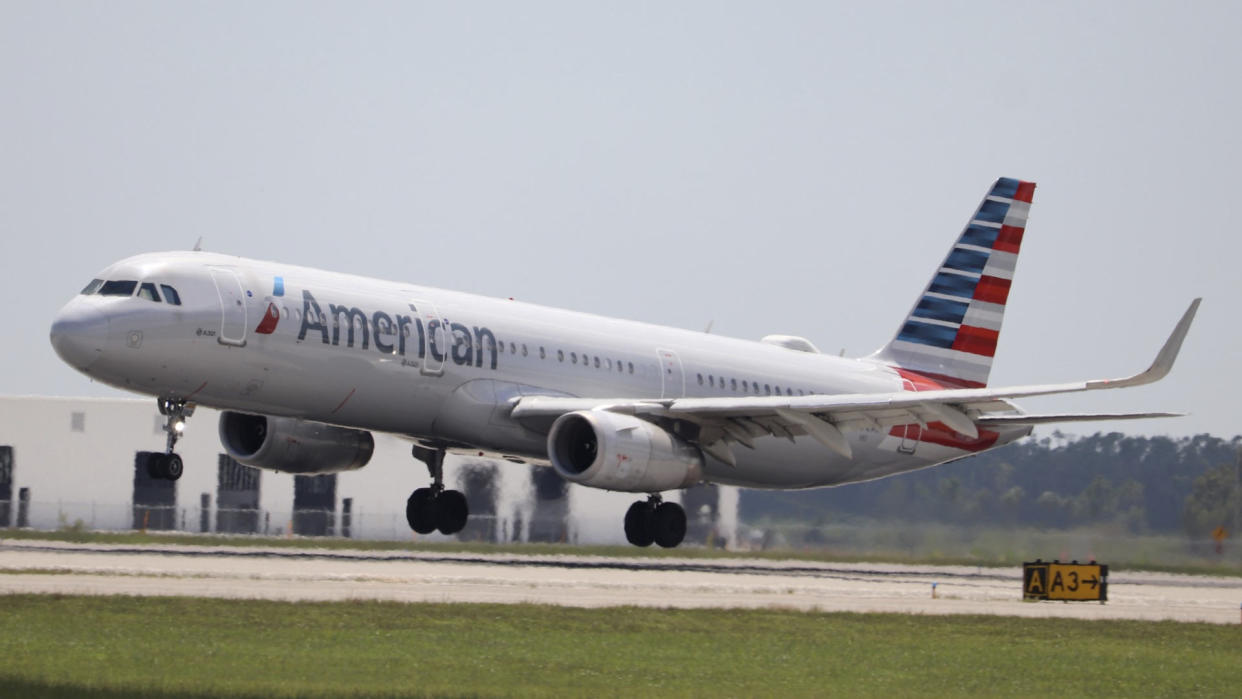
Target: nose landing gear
[434, 508]
[655, 521]
[168, 465]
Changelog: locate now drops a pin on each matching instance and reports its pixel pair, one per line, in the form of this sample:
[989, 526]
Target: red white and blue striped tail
[950, 335]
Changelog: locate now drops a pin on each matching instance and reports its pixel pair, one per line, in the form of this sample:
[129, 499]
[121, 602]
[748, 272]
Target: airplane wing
[725, 420]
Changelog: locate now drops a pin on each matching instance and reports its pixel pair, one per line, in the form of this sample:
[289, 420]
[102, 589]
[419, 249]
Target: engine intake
[621, 452]
[293, 446]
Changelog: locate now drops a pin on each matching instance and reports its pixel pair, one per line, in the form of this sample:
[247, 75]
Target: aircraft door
[436, 337]
[232, 306]
[672, 377]
[909, 433]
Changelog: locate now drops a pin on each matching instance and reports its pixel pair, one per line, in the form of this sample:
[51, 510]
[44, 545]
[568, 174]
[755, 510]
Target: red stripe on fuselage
[926, 381]
[941, 434]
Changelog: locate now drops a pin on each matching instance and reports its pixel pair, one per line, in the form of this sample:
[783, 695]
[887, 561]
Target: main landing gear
[167, 465]
[655, 521]
[434, 508]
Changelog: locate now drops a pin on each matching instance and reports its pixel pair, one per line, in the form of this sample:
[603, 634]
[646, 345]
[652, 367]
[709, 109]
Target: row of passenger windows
[746, 386]
[128, 287]
[587, 360]
[605, 363]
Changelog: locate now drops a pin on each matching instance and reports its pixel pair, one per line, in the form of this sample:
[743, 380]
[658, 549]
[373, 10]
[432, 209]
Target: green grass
[865, 544]
[125, 646]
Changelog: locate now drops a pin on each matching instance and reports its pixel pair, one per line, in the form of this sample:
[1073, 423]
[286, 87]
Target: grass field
[123, 646]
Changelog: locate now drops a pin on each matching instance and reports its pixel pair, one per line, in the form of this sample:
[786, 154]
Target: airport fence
[845, 539]
[356, 524]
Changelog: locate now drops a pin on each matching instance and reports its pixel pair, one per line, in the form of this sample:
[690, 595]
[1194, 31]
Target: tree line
[1145, 484]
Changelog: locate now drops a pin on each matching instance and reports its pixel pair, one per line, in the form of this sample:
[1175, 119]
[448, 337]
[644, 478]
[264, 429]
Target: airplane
[305, 364]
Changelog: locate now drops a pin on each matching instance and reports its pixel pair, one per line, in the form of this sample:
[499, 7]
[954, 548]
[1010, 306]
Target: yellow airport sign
[1065, 581]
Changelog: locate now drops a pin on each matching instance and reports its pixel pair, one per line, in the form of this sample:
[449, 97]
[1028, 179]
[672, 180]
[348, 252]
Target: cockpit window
[147, 291]
[92, 287]
[170, 295]
[118, 288]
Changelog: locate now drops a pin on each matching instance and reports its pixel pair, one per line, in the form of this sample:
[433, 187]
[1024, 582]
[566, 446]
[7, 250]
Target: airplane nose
[78, 334]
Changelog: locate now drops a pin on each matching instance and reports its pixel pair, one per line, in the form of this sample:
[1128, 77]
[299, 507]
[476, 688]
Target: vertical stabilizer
[950, 335]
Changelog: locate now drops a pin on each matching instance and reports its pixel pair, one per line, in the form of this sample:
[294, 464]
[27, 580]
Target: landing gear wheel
[639, 524]
[451, 512]
[172, 466]
[420, 511]
[669, 524]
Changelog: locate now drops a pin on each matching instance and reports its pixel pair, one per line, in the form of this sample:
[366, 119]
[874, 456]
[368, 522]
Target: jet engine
[292, 445]
[621, 452]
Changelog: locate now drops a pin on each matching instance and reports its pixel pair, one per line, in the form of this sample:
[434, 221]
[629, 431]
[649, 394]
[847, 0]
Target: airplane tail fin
[950, 335]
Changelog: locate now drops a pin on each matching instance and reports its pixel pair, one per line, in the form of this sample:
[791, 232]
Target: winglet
[1164, 360]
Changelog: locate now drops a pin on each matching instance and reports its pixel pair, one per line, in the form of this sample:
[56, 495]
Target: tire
[420, 511]
[670, 524]
[172, 467]
[452, 511]
[155, 465]
[639, 524]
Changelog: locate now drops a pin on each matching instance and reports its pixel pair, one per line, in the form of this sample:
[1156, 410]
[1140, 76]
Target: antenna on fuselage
[708, 329]
[198, 245]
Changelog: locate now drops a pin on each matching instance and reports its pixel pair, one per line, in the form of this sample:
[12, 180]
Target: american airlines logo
[389, 333]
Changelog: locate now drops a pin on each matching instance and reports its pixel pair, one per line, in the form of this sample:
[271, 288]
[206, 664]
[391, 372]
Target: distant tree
[1213, 502]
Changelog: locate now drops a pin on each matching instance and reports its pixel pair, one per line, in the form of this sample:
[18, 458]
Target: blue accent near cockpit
[278, 286]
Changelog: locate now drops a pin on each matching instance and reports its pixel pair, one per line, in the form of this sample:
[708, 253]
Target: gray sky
[787, 167]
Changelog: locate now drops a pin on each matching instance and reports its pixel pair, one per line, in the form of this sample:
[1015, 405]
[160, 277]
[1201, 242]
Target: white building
[76, 457]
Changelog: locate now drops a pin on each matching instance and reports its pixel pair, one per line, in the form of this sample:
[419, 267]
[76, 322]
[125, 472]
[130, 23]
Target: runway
[587, 581]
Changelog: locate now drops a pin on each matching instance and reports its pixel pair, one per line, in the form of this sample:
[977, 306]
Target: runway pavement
[587, 581]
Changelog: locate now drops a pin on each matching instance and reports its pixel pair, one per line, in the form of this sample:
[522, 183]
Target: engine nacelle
[293, 446]
[621, 452]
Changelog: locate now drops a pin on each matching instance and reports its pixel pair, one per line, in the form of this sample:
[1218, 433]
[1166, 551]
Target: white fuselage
[373, 355]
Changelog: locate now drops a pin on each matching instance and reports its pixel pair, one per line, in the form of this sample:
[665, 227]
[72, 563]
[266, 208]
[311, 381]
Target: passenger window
[512, 348]
[608, 364]
[631, 367]
[170, 295]
[619, 366]
[767, 388]
[573, 357]
[700, 379]
[733, 384]
[542, 353]
[116, 288]
[523, 349]
[745, 385]
[92, 287]
[560, 355]
[147, 291]
[596, 362]
[501, 347]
